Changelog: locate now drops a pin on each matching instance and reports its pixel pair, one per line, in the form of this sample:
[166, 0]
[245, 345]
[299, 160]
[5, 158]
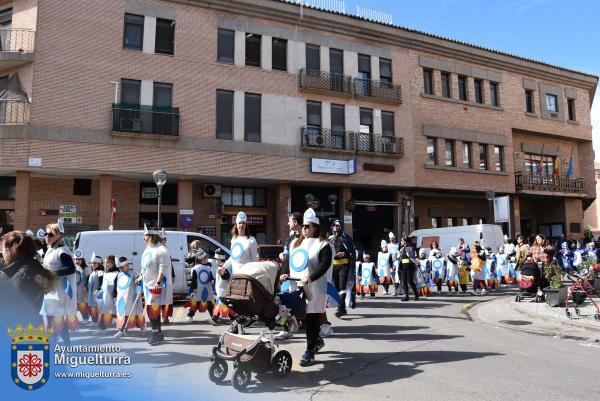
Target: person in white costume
[243, 244]
[109, 293]
[128, 304]
[167, 300]
[60, 305]
[311, 259]
[384, 266]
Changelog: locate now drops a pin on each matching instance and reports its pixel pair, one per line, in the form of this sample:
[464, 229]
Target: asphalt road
[384, 349]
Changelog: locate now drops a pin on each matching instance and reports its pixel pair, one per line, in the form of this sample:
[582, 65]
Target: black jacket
[30, 279]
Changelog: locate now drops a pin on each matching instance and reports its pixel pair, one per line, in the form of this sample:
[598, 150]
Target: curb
[566, 323]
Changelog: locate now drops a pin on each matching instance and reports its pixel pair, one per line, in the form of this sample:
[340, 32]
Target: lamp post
[160, 178]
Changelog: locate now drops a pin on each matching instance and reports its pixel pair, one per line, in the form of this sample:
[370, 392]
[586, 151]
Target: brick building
[268, 106]
[591, 216]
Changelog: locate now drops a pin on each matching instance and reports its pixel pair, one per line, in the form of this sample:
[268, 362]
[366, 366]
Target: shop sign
[502, 209]
[251, 220]
[209, 230]
[149, 193]
[186, 212]
[347, 219]
[328, 166]
[62, 209]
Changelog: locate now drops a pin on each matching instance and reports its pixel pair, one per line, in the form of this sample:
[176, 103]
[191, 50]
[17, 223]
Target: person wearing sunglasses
[313, 243]
[60, 306]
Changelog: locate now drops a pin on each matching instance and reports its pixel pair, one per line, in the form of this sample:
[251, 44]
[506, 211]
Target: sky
[559, 32]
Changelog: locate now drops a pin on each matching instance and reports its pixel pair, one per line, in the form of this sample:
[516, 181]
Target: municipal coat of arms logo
[30, 356]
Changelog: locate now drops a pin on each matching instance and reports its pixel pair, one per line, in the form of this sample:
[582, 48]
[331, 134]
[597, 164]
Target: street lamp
[160, 178]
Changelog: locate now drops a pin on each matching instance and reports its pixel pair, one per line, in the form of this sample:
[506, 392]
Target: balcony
[145, 119]
[373, 143]
[16, 47]
[14, 112]
[327, 139]
[377, 90]
[527, 182]
[325, 82]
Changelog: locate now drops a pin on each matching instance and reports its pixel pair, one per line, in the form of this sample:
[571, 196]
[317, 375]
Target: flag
[571, 169]
[556, 169]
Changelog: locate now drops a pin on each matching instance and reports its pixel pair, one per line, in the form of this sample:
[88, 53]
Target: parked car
[130, 243]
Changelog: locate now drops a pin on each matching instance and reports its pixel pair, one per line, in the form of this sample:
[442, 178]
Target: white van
[488, 235]
[130, 243]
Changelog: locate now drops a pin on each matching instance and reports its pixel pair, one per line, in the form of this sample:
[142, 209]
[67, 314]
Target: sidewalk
[537, 318]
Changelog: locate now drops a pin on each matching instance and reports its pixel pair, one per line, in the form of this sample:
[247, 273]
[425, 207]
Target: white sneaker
[326, 330]
[189, 319]
[483, 292]
[293, 325]
[282, 335]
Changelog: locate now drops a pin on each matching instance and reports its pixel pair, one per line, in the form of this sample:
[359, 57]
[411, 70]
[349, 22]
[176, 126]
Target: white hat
[391, 235]
[241, 218]
[40, 234]
[61, 227]
[95, 259]
[162, 234]
[78, 254]
[310, 217]
[121, 263]
[366, 255]
[219, 254]
[30, 234]
[383, 243]
[148, 231]
[200, 254]
[422, 251]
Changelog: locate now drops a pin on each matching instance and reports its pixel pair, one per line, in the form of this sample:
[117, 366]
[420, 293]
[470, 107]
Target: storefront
[257, 223]
[326, 202]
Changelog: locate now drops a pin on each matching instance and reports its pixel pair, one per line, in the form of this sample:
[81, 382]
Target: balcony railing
[14, 112]
[322, 81]
[549, 183]
[379, 144]
[378, 90]
[325, 138]
[16, 40]
[145, 119]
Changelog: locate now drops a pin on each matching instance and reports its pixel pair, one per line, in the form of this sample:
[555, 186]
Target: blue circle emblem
[123, 281]
[437, 264]
[237, 250]
[366, 273]
[383, 261]
[203, 277]
[299, 260]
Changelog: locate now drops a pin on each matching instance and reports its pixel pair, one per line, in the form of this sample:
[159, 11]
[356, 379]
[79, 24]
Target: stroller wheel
[577, 311]
[241, 378]
[597, 316]
[217, 371]
[518, 298]
[282, 364]
[568, 314]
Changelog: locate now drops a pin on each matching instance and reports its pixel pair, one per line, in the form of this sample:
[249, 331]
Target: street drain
[515, 322]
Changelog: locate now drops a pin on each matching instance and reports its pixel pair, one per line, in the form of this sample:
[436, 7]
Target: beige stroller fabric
[264, 272]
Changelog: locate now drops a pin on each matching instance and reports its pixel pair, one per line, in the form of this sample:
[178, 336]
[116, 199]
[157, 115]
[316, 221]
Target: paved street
[429, 350]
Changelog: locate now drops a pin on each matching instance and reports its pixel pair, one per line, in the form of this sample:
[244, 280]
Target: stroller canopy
[264, 272]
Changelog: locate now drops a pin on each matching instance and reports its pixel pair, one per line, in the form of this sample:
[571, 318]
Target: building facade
[269, 107]
[592, 213]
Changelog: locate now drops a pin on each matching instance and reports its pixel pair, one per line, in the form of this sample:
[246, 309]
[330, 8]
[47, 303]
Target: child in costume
[452, 270]
[367, 274]
[578, 255]
[478, 268]
[566, 257]
[108, 309]
[82, 271]
[222, 311]
[463, 273]
[384, 267]
[502, 270]
[94, 283]
[202, 296]
[128, 304]
[438, 270]
[422, 274]
[490, 269]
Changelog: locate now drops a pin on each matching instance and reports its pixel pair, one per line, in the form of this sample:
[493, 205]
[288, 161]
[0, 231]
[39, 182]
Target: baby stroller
[251, 295]
[530, 285]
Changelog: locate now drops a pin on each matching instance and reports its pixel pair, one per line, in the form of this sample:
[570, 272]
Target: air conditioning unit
[212, 191]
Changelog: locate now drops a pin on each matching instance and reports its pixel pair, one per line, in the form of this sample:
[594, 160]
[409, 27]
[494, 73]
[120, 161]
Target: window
[165, 36]
[252, 115]
[133, 36]
[149, 194]
[451, 222]
[253, 49]
[446, 84]
[465, 221]
[248, 197]
[431, 151]
[336, 68]
[483, 157]
[529, 101]
[162, 95]
[462, 87]
[481, 220]
[551, 103]
[6, 18]
[387, 123]
[313, 57]
[363, 83]
[82, 186]
[478, 90]
[8, 187]
[499, 157]
[449, 152]
[435, 222]
[467, 155]
[571, 109]
[313, 114]
[428, 82]
[538, 165]
[385, 72]
[225, 46]
[494, 101]
[130, 91]
[279, 54]
[338, 126]
[365, 139]
[224, 114]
